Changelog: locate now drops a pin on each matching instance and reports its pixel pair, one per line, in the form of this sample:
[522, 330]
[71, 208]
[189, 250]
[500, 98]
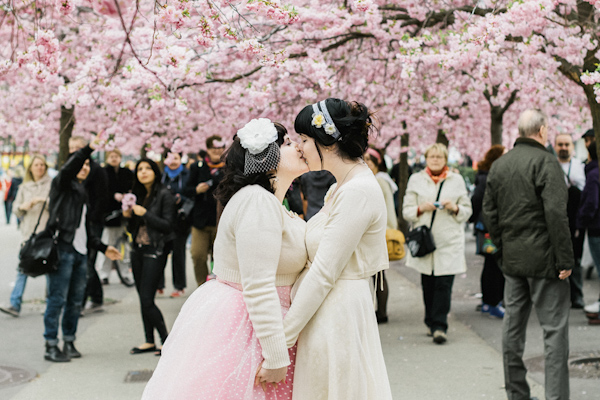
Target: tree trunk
[442, 138]
[402, 180]
[496, 127]
[67, 122]
[595, 111]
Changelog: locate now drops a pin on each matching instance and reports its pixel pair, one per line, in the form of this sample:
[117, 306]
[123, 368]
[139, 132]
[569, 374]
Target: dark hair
[210, 141]
[168, 151]
[352, 119]
[593, 151]
[139, 189]
[492, 155]
[233, 171]
[381, 167]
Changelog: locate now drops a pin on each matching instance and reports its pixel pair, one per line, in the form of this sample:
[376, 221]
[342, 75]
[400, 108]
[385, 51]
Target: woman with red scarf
[443, 193]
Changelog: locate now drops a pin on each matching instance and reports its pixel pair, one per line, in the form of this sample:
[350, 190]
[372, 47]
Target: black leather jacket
[159, 218]
[67, 198]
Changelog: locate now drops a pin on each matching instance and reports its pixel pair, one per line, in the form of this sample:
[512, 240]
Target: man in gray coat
[525, 211]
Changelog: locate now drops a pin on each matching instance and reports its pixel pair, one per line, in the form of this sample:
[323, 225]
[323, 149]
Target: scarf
[212, 165]
[172, 173]
[438, 177]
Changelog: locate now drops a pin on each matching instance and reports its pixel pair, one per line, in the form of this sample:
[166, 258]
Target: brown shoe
[593, 321]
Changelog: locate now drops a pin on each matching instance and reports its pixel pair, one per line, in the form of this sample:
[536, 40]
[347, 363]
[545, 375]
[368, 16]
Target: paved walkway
[465, 368]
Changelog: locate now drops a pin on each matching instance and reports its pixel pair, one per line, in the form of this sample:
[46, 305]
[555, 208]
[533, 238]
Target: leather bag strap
[436, 199]
[39, 217]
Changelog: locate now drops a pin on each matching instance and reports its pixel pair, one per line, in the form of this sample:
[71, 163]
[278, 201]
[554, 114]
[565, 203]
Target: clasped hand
[265, 376]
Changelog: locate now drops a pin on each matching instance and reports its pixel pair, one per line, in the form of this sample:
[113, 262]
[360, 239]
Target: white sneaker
[593, 308]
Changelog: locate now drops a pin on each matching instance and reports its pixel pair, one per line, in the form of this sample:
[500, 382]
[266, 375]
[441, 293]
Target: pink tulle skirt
[212, 352]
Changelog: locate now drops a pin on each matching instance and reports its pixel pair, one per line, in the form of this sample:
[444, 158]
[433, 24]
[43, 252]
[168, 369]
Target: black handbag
[420, 240]
[39, 254]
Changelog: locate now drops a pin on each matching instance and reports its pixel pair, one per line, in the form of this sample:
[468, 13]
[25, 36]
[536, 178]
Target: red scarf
[439, 176]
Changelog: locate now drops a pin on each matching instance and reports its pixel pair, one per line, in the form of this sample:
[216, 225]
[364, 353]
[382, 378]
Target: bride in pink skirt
[229, 333]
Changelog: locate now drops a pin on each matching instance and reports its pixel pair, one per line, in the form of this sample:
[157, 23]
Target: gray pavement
[468, 367]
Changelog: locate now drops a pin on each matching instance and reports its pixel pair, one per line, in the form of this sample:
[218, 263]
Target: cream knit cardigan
[353, 247]
[260, 246]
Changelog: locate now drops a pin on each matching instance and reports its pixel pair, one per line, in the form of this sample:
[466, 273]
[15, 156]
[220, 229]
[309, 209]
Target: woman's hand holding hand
[274, 376]
[127, 213]
[139, 210]
[26, 206]
[450, 206]
[427, 206]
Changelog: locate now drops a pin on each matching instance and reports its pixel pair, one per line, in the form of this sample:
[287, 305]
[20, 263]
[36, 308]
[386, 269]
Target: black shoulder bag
[420, 240]
[39, 254]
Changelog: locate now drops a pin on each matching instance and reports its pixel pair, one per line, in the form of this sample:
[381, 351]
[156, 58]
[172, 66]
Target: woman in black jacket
[151, 226]
[492, 280]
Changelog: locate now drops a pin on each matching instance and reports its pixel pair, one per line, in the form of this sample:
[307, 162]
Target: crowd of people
[300, 251]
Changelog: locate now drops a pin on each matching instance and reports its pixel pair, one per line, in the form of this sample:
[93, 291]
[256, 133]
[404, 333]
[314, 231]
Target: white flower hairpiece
[330, 129]
[318, 119]
[321, 118]
[257, 134]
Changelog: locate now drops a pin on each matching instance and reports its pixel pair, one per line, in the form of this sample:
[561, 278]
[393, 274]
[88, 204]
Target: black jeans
[148, 266]
[382, 295]
[437, 293]
[492, 281]
[576, 278]
[93, 288]
[178, 247]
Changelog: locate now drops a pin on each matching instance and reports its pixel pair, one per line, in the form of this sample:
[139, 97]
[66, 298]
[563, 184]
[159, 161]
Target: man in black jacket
[69, 217]
[525, 211]
[205, 176]
[120, 181]
[175, 179]
[96, 186]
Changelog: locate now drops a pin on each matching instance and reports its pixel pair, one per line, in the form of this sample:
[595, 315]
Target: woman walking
[451, 212]
[151, 226]
[29, 203]
[228, 326]
[339, 351]
[492, 280]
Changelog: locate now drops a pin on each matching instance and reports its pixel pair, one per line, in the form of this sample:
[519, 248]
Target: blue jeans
[595, 251]
[16, 296]
[66, 288]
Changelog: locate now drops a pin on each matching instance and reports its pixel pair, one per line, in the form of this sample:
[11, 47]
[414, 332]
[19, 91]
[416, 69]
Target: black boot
[70, 350]
[54, 354]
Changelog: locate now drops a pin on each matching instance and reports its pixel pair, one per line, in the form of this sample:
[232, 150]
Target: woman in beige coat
[27, 207]
[451, 212]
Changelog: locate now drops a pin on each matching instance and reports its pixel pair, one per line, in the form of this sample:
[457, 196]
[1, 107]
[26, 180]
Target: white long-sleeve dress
[332, 316]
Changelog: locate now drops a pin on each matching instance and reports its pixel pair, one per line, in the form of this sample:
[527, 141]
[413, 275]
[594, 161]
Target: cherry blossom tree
[169, 73]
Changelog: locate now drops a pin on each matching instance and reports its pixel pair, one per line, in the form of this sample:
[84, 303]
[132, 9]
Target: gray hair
[531, 121]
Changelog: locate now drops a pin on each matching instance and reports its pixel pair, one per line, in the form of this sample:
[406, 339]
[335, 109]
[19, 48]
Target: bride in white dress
[332, 316]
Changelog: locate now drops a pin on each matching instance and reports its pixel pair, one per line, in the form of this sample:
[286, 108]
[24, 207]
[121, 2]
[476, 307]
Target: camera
[438, 205]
